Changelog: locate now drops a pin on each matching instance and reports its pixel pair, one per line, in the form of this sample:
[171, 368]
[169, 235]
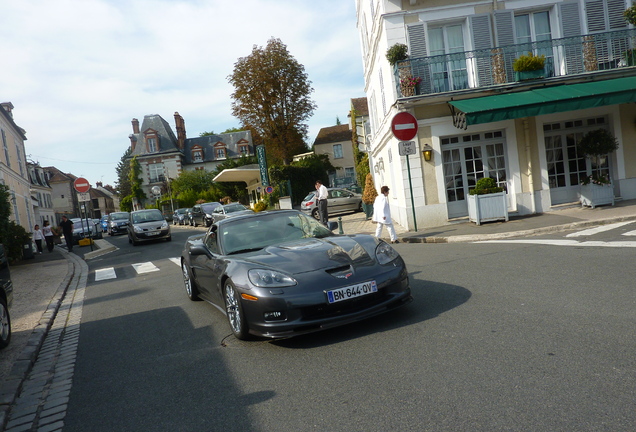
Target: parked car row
[338, 201]
[86, 228]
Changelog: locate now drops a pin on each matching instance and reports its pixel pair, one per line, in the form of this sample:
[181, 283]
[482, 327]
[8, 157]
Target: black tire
[194, 223]
[234, 311]
[360, 207]
[169, 238]
[192, 291]
[5, 324]
[316, 213]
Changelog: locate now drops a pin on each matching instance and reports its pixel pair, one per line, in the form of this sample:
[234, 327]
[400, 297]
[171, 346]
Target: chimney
[8, 106]
[135, 124]
[181, 132]
[133, 141]
[98, 184]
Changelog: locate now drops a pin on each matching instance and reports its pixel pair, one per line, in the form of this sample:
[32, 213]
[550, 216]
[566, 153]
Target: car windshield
[208, 208]
[231, 208]
[79, 224]
[243, 235]
[309, 197]
[147, 216]
[119, 216]
[180, 211]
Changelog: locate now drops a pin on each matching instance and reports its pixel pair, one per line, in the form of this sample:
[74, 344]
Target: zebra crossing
[570, 239]
[140, 268]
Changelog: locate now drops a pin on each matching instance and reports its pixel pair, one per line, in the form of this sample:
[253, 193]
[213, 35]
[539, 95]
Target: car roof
[145, 211]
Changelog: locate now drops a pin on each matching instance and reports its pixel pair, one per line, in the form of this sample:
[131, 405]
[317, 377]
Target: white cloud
[78, 71]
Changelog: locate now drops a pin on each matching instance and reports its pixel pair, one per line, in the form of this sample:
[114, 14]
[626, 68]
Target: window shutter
[505, 35]
[570, 15]
[417, 53]
[615, 9]
[594, 12]
[482, 40]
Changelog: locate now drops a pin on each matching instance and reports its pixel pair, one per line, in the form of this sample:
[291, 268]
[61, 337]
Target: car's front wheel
[234, 310]
[316, 213]
[5, 324]
[191, 288]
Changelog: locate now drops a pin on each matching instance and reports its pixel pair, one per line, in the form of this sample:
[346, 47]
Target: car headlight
[164, 225]
[270, 279]
[385, 253]
[138, 229]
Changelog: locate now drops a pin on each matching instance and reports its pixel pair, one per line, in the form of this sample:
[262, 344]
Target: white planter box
[593, 195]
[487, 208]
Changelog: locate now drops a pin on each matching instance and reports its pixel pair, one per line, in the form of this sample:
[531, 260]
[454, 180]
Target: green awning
[545, 100]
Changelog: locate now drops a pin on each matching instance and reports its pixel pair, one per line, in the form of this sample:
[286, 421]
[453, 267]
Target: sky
[78, 71]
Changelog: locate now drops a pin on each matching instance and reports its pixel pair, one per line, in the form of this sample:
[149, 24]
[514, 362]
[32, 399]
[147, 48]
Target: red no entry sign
[81, 185]
[404, 126]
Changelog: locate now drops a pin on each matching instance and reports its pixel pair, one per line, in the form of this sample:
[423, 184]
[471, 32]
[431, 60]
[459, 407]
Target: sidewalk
[569, 218]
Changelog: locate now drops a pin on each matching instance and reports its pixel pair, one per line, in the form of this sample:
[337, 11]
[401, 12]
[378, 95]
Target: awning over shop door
[545, 100]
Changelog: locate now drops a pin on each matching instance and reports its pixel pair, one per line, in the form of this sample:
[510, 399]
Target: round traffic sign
[404, 126]
[269, 189]
[81, 185]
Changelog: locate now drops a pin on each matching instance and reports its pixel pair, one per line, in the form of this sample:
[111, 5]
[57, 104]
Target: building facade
[41, 194]
[13, 168]
[164, 155]
[484, 119]
[335, 142]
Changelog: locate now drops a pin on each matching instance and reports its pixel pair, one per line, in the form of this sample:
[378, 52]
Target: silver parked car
[147, 225]
[338, 201]
[229, 210]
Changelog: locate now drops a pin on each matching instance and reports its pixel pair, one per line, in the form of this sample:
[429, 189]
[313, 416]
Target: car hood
[308, 255]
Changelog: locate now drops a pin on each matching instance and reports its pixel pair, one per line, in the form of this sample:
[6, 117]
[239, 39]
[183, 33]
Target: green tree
[135, 186]
[302, 174]
[228, 130]
[196, 181]
[123, 185]
[271, 97]
[12, 235]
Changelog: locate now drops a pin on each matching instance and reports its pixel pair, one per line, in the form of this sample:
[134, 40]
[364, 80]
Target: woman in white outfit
[382, 214]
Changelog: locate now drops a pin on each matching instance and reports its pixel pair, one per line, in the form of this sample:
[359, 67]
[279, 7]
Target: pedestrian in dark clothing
[321, 198]
[67, 229]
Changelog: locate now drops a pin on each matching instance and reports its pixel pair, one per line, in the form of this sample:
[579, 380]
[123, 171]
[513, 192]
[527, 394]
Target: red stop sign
[404, 126]
[81, 185]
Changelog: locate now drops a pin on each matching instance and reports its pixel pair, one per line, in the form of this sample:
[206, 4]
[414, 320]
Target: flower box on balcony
[529, 75]
[593, 195]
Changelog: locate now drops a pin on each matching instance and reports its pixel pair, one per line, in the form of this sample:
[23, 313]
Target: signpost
[82, 186]
[404, 128]
[262, 164]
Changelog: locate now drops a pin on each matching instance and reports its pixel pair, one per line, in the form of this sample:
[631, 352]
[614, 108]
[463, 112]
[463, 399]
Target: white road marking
[598, 229]
[105, 273]
[146, 267]
[630, 233]
[618, 244]
[177, 261]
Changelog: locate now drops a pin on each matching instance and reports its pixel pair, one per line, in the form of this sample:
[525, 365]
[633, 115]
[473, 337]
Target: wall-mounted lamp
[427, 151]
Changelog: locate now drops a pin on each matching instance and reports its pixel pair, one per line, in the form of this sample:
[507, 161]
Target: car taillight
[310, 203]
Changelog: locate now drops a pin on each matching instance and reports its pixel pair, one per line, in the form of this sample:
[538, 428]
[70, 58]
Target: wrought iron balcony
[491, 67]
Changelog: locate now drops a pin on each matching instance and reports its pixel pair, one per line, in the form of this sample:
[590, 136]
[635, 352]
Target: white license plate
[352, 291]
[151, 233]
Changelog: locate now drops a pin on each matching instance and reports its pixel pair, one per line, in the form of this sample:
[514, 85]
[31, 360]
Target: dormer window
[197, 153]
[219, 150]
[152, 141]
[243, 147]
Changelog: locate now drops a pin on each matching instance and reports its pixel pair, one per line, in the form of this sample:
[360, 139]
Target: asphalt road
[502, 336]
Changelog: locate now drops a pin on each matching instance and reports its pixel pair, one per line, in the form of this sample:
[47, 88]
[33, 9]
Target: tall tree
[271, 97]
[123, 186]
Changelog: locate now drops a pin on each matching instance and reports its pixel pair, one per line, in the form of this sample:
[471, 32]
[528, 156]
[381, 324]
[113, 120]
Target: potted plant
[597, 189]
[529, 67]
[397, 53]
[487, 202]
[408, 85]
[368, 196]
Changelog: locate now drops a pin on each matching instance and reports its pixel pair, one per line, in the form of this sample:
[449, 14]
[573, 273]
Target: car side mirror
[199, 249]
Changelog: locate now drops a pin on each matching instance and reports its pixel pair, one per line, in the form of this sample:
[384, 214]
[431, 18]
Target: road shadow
[430, 299]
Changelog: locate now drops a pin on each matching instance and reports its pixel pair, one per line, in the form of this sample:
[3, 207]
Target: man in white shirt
[382, 214]
[321, 201]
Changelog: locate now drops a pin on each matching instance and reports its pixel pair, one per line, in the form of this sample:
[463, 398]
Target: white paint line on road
[105, 273]
[177, 261]
[630, 233]
[146, 267]
[617, 244]
[598, 229]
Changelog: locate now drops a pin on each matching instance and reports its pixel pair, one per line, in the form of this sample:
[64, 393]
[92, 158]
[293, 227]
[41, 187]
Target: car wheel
[194, 223]
[169, 238]
[191, 288]
[316, 213]
[234, 310]
[5, 324]
[360, 207]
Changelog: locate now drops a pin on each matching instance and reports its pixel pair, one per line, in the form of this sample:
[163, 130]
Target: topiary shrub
[396, 53]
[485, 186]
[598, 142]
[528, 62]
[369, 194]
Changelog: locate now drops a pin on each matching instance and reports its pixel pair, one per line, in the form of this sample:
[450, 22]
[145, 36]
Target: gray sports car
[281, 273]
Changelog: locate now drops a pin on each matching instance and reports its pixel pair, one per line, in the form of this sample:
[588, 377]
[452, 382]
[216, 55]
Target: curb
[10, 388]
[103, 247]
[513, 234]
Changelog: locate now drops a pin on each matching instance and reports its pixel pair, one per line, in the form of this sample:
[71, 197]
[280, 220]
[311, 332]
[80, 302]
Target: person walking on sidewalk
[48, 233]
[67, 230]
[38, 236]
[382, 215]
[321, 199]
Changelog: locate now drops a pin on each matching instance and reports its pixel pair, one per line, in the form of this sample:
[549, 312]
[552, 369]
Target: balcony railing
[489, 67]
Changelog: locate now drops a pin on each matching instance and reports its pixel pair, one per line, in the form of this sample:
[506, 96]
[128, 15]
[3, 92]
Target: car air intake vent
[342, 272]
